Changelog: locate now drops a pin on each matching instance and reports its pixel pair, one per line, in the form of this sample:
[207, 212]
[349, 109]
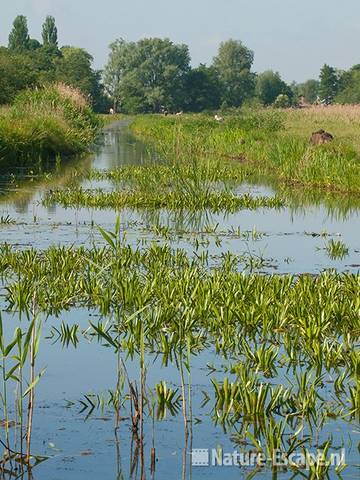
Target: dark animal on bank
[320, 137]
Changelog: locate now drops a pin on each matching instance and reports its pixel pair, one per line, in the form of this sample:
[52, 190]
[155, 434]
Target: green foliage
[28, 63]
[19, 36]
[336, 249]
[49, 32]
[203, 89]
[190, 200]
[143, 76]
[309, 90]
[16, 74]
[46, 122]
[73, 67]
[269, 86]
[256, 144]
[329, 84]
[282, 101]
[233, 65]
[349, 89]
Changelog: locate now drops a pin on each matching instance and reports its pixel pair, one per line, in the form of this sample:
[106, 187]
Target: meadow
[267, 143]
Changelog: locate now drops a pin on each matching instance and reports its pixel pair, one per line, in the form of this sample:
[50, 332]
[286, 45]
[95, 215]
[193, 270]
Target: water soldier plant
[171, 200]
[158, 301]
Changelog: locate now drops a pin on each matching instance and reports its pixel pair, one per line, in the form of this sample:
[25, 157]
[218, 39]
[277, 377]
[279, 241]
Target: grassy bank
[43, 123]
[267, 143]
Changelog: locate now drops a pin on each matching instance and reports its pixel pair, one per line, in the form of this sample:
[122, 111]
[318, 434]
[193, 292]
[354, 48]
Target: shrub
[45, 122]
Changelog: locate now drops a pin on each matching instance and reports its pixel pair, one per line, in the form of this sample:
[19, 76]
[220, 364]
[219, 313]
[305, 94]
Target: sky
[293, 37]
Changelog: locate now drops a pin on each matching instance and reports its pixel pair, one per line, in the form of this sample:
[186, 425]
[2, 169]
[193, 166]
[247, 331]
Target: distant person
[112, 111]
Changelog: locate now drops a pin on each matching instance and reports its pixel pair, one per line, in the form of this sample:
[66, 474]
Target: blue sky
[291, 36]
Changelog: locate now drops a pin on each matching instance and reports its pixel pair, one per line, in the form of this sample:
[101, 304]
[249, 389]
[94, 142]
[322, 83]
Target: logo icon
[200, 457]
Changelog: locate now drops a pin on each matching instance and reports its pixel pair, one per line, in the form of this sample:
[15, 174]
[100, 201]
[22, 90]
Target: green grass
[265, 143]
[43, 123]
[171, 200]
[336, 249]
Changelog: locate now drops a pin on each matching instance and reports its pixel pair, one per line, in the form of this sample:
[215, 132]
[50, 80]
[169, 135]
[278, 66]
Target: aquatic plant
[7, 220]
[336, 249]
[167, 399]
[156, 300]
[171, 200]
[17, 354]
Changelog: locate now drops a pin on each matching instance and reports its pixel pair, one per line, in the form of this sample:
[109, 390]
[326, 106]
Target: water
[289, 240]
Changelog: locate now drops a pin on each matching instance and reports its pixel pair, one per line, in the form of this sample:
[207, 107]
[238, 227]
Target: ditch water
[80, 443]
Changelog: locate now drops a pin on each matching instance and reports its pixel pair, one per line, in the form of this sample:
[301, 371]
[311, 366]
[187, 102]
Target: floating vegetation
[7, 220]
[337, 249]
[171, 200]
[170, 173]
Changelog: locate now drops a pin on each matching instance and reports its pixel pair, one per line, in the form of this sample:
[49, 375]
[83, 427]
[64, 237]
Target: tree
[233, 65]
[73, 67]
[329, 83]
[349, 86]
[203, 89]
[309, 90]
[17, 73]
[116, 68]
[49, 32]
[33, 44]
[28, 63]
[269, 86]
[19, 35]
[146, 75]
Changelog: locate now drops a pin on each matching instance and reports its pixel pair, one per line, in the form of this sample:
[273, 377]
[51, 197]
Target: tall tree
[143, 76]
[233, 64]
[19, 36]
[329, 84]
[349, 86]
[116, 68]
[203, 89]
[269, 86]
[49, 32]
[17, 73]
[73, 67]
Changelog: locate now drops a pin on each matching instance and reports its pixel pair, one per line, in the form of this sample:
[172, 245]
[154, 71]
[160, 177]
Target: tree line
[27, 62]
[155, 74]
